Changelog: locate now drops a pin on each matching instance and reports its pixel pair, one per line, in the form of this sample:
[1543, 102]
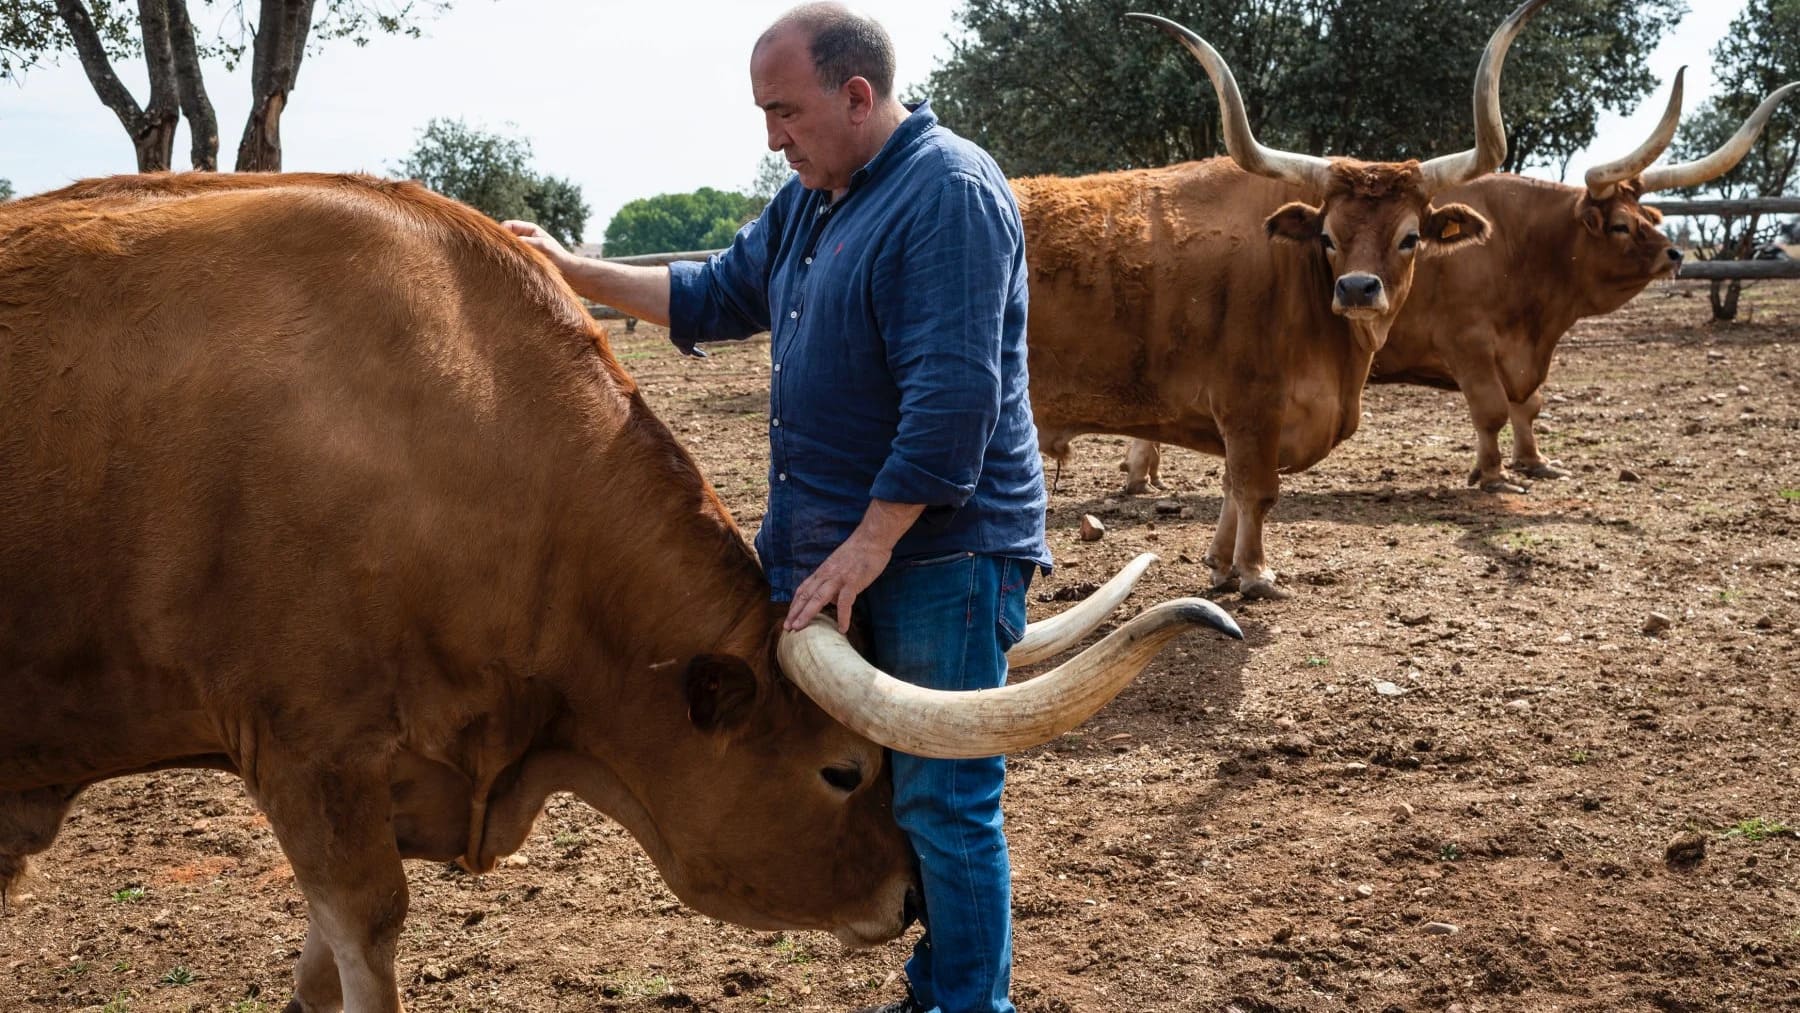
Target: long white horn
[951, 725]
[1722, 161]
[1602, 180]
[1060, 632]
[1446, 171]
[1240, 142]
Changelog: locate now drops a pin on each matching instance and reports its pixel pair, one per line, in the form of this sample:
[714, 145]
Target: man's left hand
[846, 573]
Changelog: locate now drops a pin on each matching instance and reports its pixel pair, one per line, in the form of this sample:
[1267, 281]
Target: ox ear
[720, 690]
[1295, 223]
[1651, 213]
[1592, 218]
[1452, 225]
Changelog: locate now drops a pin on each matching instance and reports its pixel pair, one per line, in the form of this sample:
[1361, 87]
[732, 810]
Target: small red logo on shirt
[840, 249]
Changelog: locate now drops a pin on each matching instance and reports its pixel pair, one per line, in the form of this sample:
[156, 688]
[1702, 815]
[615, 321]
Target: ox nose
[1354, 290]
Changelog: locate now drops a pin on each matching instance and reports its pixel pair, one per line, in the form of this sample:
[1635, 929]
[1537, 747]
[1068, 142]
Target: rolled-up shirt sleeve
[725, 297]
[941, 300]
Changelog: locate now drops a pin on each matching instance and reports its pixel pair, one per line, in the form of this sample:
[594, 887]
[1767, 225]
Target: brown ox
[328, 482]
[1488, 321]
[1160, 310]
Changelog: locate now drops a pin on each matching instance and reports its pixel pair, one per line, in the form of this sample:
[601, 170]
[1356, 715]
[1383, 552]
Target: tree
[772, 173]
[162, 33]
[703, 220]
[1759, 53]
[492, 173]
[1060, 86]
[6, 190]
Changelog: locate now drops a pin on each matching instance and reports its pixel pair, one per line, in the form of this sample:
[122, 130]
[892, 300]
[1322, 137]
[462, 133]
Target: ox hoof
[1136, 488]
[1542, 469]
[1499, 485]
[1265, 590]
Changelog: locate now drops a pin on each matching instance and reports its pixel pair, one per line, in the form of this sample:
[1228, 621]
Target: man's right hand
[535, 237]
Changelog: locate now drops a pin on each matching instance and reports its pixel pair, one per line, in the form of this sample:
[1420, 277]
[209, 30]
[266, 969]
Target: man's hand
[536, 238]
[846, 573]
[849, 570]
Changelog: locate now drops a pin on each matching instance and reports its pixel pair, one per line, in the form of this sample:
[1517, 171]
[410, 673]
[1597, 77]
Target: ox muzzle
[1359, 295]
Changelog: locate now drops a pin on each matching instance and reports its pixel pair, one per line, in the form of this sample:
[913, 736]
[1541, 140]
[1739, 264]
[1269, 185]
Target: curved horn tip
[1200, 612]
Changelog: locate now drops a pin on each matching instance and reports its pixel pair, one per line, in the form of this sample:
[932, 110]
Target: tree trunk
[1725, 307]
[152, 130]
[281, 32]
[203, 124]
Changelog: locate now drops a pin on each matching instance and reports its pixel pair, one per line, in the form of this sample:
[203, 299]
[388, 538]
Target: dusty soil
[1251, 827]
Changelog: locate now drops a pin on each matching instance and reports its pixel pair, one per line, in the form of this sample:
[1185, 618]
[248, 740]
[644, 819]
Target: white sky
[627, 98]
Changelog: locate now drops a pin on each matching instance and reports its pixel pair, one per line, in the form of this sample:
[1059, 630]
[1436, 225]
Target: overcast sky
[629, 99]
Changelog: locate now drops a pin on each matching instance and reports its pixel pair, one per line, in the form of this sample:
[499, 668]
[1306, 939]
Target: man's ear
[862, 99]
[720, 690]
[1295, 223]
[1452, 225]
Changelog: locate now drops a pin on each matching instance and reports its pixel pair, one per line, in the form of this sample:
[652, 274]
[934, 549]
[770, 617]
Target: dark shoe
[905, 1005]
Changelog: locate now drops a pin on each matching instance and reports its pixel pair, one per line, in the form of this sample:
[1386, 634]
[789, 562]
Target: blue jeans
[946, 623]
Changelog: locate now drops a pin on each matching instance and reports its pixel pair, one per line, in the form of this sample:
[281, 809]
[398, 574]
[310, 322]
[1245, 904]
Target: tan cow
[1488, 321]
[331, 483]
[1203, 305]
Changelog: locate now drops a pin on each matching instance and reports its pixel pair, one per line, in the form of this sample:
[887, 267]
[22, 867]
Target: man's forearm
[885, 523]
[641, 292]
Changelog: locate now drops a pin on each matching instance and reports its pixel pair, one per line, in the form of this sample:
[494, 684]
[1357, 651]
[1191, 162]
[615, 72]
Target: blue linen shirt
[897, 339]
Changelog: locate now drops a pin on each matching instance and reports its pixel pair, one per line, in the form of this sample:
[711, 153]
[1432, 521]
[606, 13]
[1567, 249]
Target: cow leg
[1142, 461]
[1253, 487]
[1224, 544]
[29, 821]
[316, 985]
[1526, 459]
[1488, 410]
[335, 825]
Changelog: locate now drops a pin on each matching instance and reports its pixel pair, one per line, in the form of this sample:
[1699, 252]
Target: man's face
[815, 128]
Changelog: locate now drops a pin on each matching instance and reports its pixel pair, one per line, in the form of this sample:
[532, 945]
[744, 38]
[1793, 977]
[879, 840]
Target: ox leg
[1253, 487]
[336, 826]
[29, 821]
[1143, 459]
[316, 985]
[1526, 459]
[1488, 410]
[1220, 559]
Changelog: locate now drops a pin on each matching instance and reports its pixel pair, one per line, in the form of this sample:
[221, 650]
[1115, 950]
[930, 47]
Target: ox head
[1375, 218]
[1619, 236]
[763, 797]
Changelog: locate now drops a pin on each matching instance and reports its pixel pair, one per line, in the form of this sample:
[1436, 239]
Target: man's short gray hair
[843, 43]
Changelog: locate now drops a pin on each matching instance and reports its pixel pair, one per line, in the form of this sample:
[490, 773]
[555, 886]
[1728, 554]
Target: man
[904, 480]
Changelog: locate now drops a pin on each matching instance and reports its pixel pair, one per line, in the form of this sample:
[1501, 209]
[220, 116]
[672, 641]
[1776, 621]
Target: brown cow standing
[330, 483]
[1488, 321]
[1161, 309]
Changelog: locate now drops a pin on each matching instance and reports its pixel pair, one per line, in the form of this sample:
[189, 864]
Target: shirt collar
[919, 120]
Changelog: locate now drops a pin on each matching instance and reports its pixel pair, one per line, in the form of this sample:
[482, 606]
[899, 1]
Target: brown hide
[1161, 308]
[1488, 321]
[330, 482]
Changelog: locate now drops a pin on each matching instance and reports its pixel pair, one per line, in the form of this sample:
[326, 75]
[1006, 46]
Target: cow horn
[1446, 171]
[1251, 156]
[1722, 161]
[953, 725]
[1060, 632]
[1602, 180]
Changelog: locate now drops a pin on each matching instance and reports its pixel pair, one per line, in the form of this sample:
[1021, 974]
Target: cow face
[1621, 242]
[1375, 222]
[760, 809]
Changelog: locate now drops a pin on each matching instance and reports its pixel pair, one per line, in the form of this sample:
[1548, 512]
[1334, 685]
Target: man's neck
[882, 125]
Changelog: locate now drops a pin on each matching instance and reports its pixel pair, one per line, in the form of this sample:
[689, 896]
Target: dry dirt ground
[1251, 827]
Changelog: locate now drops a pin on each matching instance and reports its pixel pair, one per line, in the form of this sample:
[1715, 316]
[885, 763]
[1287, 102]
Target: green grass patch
[1317, 662]
[1450, 852]
[1758, 829]
[178, 975]
[129, 895]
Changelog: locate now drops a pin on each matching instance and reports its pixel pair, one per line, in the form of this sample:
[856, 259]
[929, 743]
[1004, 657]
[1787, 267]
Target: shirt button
[781, 477]
[809, 260]
[793, 314]
[775, 422]
[778, 367]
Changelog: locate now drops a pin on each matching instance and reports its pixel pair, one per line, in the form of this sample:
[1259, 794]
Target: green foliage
[178, 975]
[1758, 829]
[492, 173]
[772, 173]
[129, 895]
[703, 220]
[1048, 86]
[6, 190]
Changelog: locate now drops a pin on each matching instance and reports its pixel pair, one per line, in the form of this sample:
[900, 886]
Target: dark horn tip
[1200, 612]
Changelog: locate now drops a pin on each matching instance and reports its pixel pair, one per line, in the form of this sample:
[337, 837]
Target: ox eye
[1326, 242]
[1411, 240]
[844, 779]
[1621, 229]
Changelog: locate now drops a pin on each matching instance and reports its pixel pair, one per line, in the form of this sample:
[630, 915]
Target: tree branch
[203, 124]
